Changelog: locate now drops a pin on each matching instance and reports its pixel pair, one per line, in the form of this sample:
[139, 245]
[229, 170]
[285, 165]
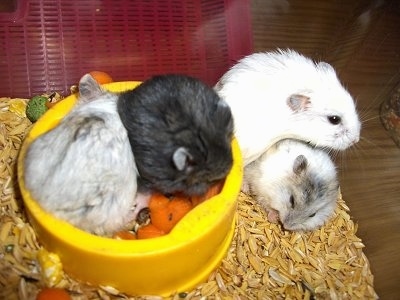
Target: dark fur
[177, 114]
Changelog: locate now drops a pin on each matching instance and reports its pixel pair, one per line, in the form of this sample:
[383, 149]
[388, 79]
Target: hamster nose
[352, 138]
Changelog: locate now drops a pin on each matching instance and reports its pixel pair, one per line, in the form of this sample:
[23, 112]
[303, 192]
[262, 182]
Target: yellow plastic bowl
[176, 262]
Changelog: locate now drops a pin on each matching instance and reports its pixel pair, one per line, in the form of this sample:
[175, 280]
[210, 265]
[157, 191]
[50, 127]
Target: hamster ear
[181, 158]
[300, 164]
[222, 103]
[89, 88]
[298, 102]
[218, 86]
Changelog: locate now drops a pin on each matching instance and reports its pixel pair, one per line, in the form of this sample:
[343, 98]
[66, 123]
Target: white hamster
[282, 94]
[83, 170]
[295, 181]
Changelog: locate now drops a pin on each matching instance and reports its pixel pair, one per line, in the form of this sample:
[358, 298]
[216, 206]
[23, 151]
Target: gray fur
[297, 181]
[83, 170]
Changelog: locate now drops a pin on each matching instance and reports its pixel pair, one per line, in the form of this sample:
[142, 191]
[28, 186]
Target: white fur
[257, 89]
[272, 181]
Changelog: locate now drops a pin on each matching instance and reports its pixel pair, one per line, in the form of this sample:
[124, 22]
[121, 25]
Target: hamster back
[180, 133]
[83, 170]
[296, 180]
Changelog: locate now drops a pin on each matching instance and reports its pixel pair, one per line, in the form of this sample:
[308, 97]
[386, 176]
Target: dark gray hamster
[83, 170]
[295, 183]
[180, 132]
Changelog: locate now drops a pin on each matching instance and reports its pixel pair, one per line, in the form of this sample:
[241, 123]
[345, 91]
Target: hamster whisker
[357, 155]
[340, 158]
[383, 92]
[335, 153]
[365, 119]
[354, 153]
[370, 142]
[357, 148]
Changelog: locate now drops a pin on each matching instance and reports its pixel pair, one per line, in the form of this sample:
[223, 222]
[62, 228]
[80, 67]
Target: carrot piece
[124, 235]
[158, 201]
[170, 212]
[212, 191]
[101, 77]
[149, 231]
[166, 212]
[53, 294]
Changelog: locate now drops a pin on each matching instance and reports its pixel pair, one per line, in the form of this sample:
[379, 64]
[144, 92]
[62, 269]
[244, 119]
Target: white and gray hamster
[295, 181]
[83, 170]
[282, 94]
[180, 132]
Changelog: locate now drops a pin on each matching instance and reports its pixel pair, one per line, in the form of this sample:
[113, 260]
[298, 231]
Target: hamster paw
[245, 188]
[141, 202]
[273, 216]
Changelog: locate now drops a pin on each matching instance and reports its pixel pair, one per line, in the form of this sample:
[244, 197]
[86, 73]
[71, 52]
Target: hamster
[83, 170]
[282, 94]
[180, 132]
[296, 183]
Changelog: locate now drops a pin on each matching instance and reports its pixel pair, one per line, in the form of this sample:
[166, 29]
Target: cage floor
[263, 262]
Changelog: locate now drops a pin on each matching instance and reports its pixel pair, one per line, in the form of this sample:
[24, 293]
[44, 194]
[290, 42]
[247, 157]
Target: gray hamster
[294, 183]
[83, 170]
[283, 94]
[180, 132]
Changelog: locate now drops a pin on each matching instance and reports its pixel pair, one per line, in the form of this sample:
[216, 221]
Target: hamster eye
[292, 201]
[334, 119]
[312, 215]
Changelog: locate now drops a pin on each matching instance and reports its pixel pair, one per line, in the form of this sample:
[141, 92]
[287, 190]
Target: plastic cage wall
[47, 45]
